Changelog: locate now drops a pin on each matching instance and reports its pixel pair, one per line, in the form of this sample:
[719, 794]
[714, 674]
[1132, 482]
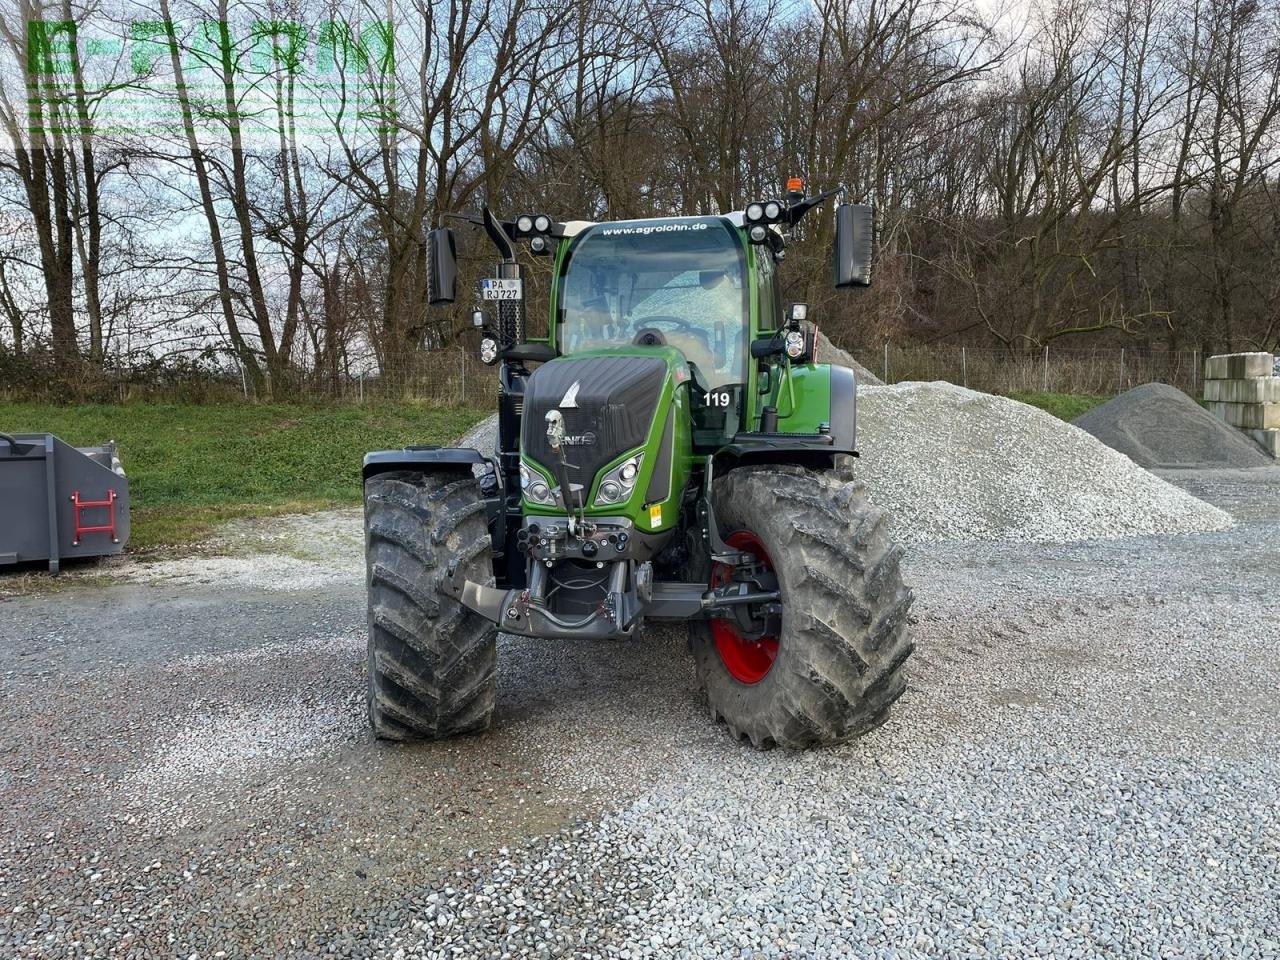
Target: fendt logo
[570, 398]
[587, 439]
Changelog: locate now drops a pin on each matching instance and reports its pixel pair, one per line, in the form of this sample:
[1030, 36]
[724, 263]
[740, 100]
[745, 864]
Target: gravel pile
[483, 436]
[1158, 426]
[948, 463]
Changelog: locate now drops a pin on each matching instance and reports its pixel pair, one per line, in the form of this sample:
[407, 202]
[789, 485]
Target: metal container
[58, 501]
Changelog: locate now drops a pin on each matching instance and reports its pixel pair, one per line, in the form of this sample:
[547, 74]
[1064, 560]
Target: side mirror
[767, 346]
[854, 228]
[442, 266]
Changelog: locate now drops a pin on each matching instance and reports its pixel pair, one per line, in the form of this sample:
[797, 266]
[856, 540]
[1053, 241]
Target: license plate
[501, 289]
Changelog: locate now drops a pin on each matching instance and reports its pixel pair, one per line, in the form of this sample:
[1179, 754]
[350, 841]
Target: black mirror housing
[853, 244]
[767, 346]
[442, 266]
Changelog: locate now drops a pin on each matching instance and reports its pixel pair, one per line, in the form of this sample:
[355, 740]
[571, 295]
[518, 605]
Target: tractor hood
[613, 401]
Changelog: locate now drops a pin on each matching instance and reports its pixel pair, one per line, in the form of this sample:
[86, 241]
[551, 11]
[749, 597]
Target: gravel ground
[1086, 764]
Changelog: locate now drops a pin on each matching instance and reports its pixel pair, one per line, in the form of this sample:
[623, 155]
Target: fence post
[1120, 382]
[362, 386]
[886, 361]
[964, 367]
[244, 381]
[1046, 368]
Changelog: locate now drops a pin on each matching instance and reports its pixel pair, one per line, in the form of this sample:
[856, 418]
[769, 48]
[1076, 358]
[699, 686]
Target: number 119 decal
[718, 398]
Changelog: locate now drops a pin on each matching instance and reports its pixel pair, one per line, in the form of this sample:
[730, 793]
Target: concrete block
[1239, 366]
[1269, 440]
[1257, 390]
[1248, 416]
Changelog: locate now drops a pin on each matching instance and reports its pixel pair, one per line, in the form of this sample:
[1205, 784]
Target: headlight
[524, 223]
[619, 483]
[542, 223]
[758, 233]
[772, 210]
[488, 350]
[754, 212]
[535, 488]
[795, 344]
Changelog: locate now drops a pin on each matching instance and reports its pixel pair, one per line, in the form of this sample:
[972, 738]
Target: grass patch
[1064, 406]
[192, 466]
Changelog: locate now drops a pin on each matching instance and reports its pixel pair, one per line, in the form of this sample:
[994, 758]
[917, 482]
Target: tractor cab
[682, 282]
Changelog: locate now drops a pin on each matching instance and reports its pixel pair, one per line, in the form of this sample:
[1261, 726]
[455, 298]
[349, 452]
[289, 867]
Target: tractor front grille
[615, 401]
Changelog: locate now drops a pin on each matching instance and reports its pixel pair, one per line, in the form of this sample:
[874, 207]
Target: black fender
[756, 448]
[462, 462]
[844, 410]
[425, 458]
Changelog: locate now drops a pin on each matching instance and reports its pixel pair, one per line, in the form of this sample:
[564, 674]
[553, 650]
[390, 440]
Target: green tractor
[670, 451]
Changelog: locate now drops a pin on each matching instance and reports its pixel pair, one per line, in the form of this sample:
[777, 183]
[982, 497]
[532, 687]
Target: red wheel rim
[748, 661]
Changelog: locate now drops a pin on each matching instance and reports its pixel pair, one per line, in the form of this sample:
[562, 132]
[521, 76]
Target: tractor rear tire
[432, 662]
[836, 664]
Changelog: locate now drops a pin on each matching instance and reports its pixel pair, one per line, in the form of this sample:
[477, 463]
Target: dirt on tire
[844, 638]
[432, 662]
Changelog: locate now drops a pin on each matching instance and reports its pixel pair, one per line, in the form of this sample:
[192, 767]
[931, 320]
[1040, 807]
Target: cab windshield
[684, 279]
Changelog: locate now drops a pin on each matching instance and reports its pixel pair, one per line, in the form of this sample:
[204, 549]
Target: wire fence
[449, 376]
[456, 375]
[1048, 370]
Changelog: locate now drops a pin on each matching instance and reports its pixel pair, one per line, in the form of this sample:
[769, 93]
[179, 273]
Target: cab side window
[770, 294]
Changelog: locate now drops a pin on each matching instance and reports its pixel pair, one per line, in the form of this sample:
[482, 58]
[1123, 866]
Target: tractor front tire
[836, 664]
[431, 661]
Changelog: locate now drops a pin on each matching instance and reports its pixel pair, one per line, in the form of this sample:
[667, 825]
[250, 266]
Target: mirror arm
[499, 231]
[494, 228]
[798, 210]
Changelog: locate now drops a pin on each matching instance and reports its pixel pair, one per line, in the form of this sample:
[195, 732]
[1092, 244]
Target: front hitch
[521, 610]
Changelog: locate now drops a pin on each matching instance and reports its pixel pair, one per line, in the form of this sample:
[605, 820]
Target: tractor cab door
[723, 409]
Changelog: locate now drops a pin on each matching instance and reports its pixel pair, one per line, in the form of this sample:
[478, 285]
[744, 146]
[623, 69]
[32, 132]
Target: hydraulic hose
[563, 624]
